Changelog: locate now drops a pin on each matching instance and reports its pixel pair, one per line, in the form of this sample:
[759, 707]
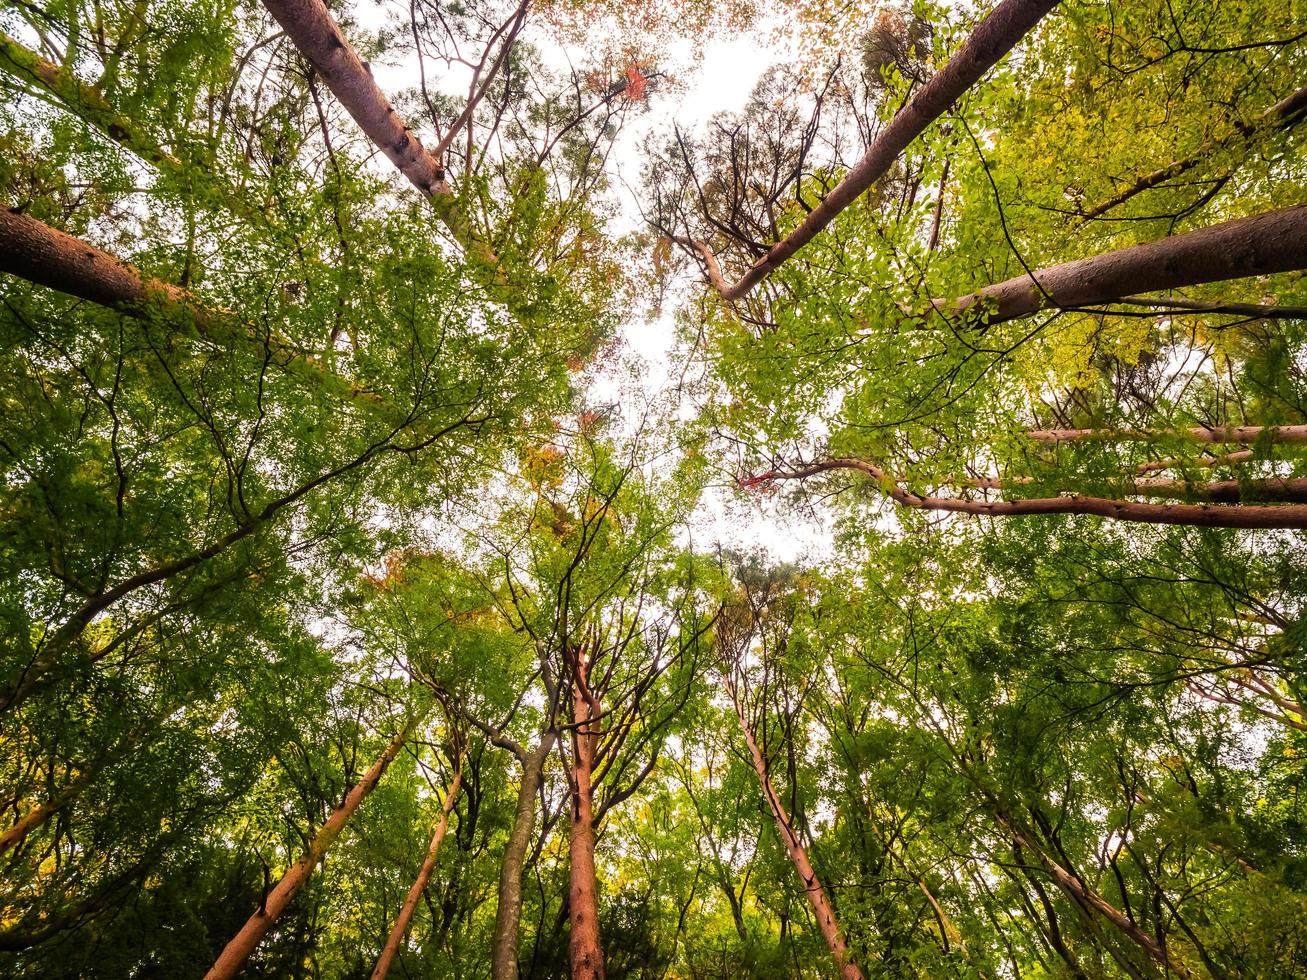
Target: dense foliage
[366, 604]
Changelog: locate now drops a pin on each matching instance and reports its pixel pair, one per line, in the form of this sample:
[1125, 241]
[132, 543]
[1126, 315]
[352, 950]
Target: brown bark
[586, 947]
[32, 250]
[402, 921]
[315, 33]
[1089, 900]
[508, 914]
[812, 886]
[994, 37]
[1272, 242]
[1274, 488]
[1283, 114]
[236, 952]
[1198, 515]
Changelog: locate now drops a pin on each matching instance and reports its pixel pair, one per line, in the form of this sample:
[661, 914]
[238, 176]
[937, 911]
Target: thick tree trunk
[402, 921]
[508, 914]
[1285, 113]
[1272, 242]
[236, 952]
[994, 37]
[583, 892]
[32, 250]
[812, 886]
[1197, 515]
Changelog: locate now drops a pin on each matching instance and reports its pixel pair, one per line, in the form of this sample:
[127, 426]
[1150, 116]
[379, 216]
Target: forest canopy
[540, 488]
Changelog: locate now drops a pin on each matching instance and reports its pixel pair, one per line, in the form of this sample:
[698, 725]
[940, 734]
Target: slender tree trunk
[405, 917]
[508, 914]
[82, 100]
[1086, 898]
[1272, 242]
[937, 215]
[1221, 434]
[315, 33]
[236, 952]
[812, 885]
[583, 891]
[36, 817]
[1285, 113]
[993, 37]
[1197, 515]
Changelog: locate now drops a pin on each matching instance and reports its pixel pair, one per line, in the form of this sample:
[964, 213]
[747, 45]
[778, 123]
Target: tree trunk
[32, 250]
[993, 37]
[583, 891]
[812, 885]
[233, 957]
[312, 30]
[1197, 515]
[405, 917]
[508, 914]
[1272, 242]
[82, 100]
[34, 818]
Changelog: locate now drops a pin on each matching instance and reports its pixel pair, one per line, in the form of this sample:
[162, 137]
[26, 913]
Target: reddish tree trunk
[812, 886]
[1198, 515]
[32, 250]
[994, 37]
[1272, 242]
[405, 917]
[583, 898]
[234, 955]
[312, 30]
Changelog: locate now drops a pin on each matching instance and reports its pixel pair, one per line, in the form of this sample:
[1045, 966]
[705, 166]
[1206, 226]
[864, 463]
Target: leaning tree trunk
[233, 957]
[32, 250]
[994, 37]
[1272, 242]
[405, 917]
[508, 914]
[812, 886]
[583, 892]
[318, 37]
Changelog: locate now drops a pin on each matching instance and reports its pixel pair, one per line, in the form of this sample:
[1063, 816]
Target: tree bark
[812, 886]
[236, 952]
[405, 917]
[586, 947]
[508, 914]
[994, 37]
[1272, 242]
[1197, 515]
[32, 250]
[315, 33]
[82, 100]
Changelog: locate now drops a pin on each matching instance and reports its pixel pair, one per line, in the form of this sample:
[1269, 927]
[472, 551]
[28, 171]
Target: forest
[653, 489]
